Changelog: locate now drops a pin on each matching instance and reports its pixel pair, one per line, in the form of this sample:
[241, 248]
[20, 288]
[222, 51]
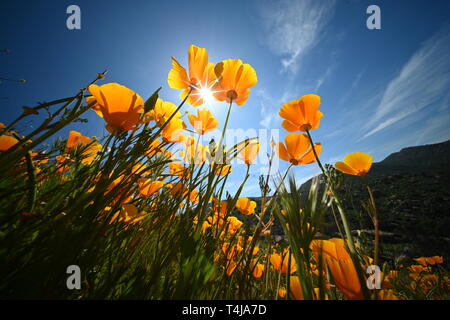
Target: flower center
[232, 94]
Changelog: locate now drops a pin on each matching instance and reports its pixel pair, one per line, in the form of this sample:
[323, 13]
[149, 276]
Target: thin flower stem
[375, 220]
[223, 131]
[336, 199]
[351, 244]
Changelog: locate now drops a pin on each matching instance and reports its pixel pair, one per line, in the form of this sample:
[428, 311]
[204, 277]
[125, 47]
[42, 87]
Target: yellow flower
[154, 148]
[233, 224]
[173, 131]
[249, 153]
[282, 293]
[162, 111]
[76, 139]
[282, 266]
[203, 122]
[201, 76]
[129, 214]
[295, 287]
[222, 169]
[357, 164]
[258, 271]
[119, 106]
[194, 153]
[340, 264]
[6, 142]
[298, 149]
[424, 261]
[148, 187]
[235, 81]
[176, 168]
[245, 206]
[302, 114]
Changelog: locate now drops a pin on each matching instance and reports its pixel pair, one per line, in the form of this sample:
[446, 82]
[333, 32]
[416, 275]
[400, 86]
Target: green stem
[351, 245]
[375, 222]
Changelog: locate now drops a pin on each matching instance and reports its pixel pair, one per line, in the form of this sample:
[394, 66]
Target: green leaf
[150, 103]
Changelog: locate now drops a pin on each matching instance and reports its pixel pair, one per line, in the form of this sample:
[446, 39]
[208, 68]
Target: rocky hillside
[412, 191]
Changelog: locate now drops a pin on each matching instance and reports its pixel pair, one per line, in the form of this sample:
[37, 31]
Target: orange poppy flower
[282, 266]
[302, 114]
[203, 122]
[129, 214]
[173, 131]
[179, 190]
[424, 261]
[7, 142]
[233, 224]
[222, 169]
[76, 139]
[235, 81]
[176, 168]
[154, 148]
[201, 76]
[298, 149]
[119, 106]
[245, 206]
[258, 271]
[357, 164]
[220, 207]
[249, 153]
[341, 266]
[162, 111]
[194, 153]
[148, 187]
[295, 288]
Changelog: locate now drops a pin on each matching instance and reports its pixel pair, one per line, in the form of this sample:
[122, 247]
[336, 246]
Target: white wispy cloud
[295, 27]
[324, 77]
[423, 81]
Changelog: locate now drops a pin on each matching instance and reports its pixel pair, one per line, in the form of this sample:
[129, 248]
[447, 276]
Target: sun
[206, 94]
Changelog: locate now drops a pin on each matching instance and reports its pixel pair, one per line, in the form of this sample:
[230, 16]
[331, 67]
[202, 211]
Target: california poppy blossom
[203, 122]
[119, 106]
[249, 153]
[302, 114]
[340, 264]
[357, 164]
[200, 80]
[76, 139]
[298, 149]
[162, 111]
[6, 142]
[148, 187]
[194, 153]
[295, 288]
[258, 271]
[424, 261]
[129, 214]
[235, 81]
[282, 265]
[246, 206]
[173, 131]
[222, 169]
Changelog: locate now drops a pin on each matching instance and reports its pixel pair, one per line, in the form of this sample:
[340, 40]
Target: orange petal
[296, 144]
[289, 126]
[177, 77]
[361, 162]
[282, 152]
[341, 166]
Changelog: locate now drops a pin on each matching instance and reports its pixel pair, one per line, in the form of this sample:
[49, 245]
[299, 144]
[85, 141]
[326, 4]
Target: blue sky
[381, 90]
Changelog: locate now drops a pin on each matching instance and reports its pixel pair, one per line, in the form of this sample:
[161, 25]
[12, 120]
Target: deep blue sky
[381, 90]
